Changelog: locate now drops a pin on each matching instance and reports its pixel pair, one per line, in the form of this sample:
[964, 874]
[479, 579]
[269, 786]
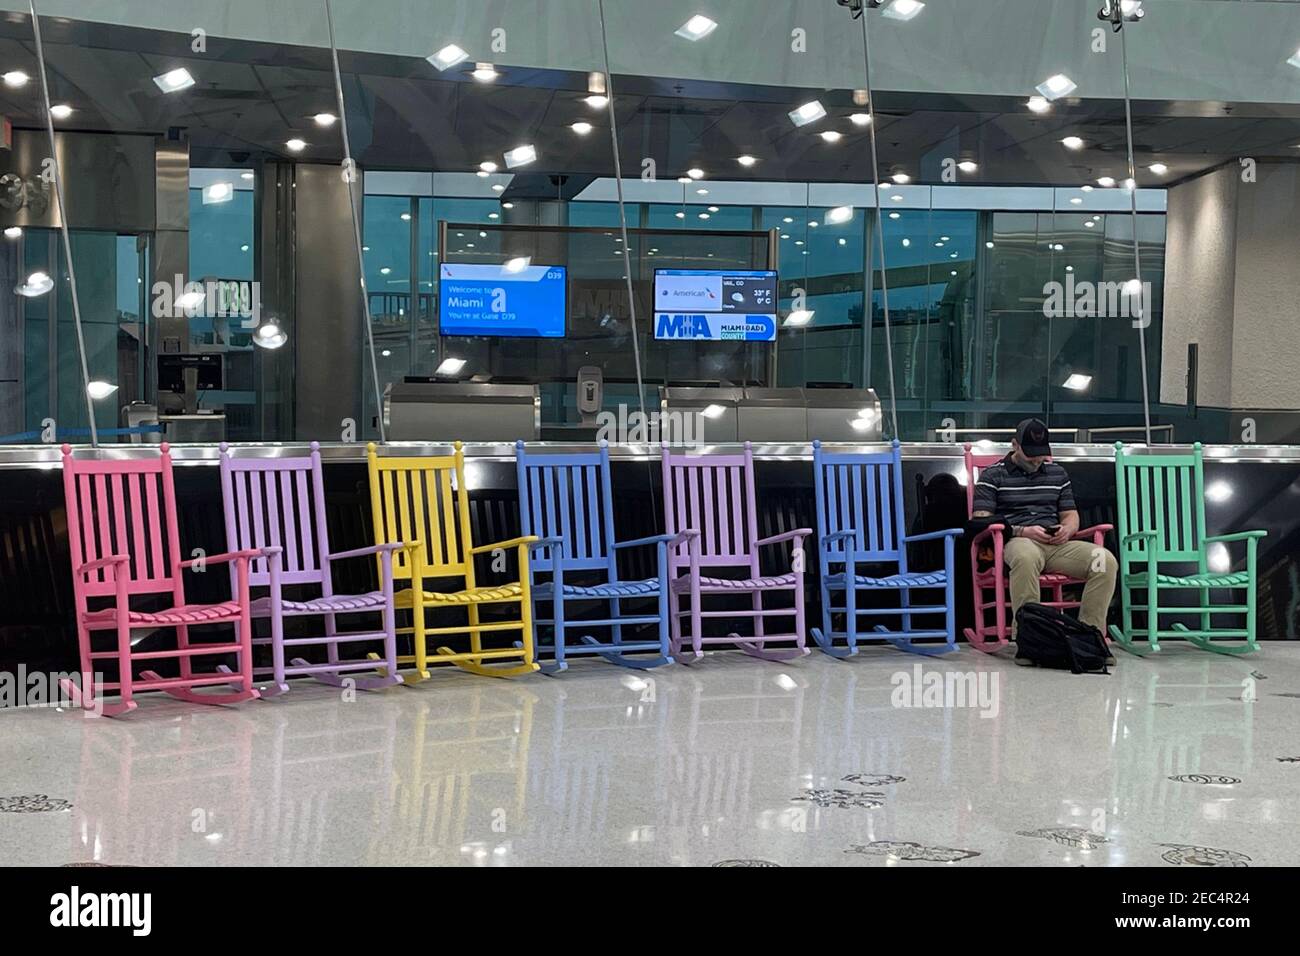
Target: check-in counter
[465, 411]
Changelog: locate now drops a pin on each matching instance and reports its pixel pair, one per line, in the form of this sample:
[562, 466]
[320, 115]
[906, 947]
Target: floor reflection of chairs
[1157, 738]
[459, 784]
[145, 791]
[269, 788]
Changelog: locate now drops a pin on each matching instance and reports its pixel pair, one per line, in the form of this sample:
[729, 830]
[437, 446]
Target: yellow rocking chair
[423, 503]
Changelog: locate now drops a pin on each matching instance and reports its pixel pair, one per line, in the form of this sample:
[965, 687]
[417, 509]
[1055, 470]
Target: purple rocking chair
[710, 505]
[276, 506]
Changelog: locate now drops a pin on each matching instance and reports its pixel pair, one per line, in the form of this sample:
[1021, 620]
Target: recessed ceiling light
[1072, 142]
[484, 72]
[954, 272]
[988, 245]
[713, 209]
[1076, 200]
[1106, 182]
[1069, 268]
[799, 318]
[498, 188]
[61, 111]
[903, 9]
[704, 215]
[907, 243]
[406, 217]
[450, 366]
[838, 215]
[1090, 224]
[247, 176]
[896, 198]
[895, 215]
[968, 166]
[1158, 168]
[787, 219]
[488, 166]
[218, 192]
[1130, 184]
[520, 156]
[582, 129]
[13, 232]
[746, 160]
[701, 192]
[296, 145]
[945, 238]
[384, 270]
[494, 215]
[901, 179]
[100, 389]
[517, 264]
[1038, 104]
[808, 113]
[860, 119]
[173, 81]
[244, 247]
[386, 352]
[680, 215]
[1078, 381]
[507, 205]
[696, 28]
[1056, 86]
[695, 172]
[684, 180]
[1085, 188]
[325, 119]
[596, 101]
[831, 135]
[447, 57]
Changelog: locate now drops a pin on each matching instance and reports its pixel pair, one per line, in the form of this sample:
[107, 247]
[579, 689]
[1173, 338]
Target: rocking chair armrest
[1092, 532]
[1138, 536]
[652, 539]
[689, 537]
[798, 534]
[933, 535]
[109, 563]
[557, 543]
[527, 539]
[1238, 536]
[244, 555]
[364, 552]
[988, 532]
[838, 536]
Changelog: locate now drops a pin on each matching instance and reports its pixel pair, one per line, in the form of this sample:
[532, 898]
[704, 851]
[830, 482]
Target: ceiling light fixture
[1158, 168]
[325, 119]
[517, 264]
[269, 335]
[484, 72]
[172, 81]
[218, 192]
[1106, 182]
[838, 215]
[447, 57]
[901, 179]
[38, 283]
[696, 28]
[582, 129]
[799, 318]
[695, 172]
[860, 119]
[14, 232]
[1056, 86]
[968, 166]
[810, 112]
[520, 156]
[1077, 381]
[99, 389]
[61, 111]
[903, 10]
[450, 366]
[296, 145]
[746, 160]
[1072, 142]
[1038, 104]
[597, 101]
[831, 135]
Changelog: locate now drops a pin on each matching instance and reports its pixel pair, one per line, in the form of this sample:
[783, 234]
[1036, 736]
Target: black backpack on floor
[1052, 638]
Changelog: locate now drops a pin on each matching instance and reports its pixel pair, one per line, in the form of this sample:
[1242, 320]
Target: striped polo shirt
[1024, 498]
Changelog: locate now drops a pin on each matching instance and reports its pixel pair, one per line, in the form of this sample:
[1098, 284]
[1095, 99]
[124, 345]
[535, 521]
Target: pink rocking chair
[122, 531]
[990, 585]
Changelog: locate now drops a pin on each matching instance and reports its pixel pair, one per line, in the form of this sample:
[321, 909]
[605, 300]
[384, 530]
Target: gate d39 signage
[715, 305]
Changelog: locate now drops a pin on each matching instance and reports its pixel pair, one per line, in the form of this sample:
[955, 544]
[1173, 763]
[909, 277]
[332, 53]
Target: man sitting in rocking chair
[1032, 495]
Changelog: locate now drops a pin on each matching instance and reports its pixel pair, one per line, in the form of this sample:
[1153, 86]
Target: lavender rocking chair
[710, 503]
[276, 507]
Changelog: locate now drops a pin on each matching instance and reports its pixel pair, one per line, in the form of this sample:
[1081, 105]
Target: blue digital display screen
[715, 305]
[494, 300]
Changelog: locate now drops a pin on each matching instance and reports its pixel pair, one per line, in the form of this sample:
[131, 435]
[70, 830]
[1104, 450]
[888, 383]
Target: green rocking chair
[1161, 501]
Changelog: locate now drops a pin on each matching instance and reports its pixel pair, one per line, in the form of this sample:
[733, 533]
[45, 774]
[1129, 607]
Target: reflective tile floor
[886, 759]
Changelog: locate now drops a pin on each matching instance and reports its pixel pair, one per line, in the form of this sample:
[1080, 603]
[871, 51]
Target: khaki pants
[1079, 559]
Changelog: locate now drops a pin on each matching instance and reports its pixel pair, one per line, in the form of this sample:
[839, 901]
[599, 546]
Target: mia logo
[130, 910]
[671, 325]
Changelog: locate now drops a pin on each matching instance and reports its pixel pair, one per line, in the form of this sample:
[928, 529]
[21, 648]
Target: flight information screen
[715, 305]
[491, 300]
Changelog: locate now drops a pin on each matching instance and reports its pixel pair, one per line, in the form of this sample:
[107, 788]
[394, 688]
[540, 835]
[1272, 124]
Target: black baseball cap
[1031, 435]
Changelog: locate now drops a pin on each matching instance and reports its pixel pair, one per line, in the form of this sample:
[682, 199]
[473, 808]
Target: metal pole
[1137, 248]
[350, 177]
[63, 227]
[880, 229]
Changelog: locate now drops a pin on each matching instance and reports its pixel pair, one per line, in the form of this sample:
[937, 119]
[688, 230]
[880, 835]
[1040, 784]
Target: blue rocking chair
[566, 501]
[860, 521]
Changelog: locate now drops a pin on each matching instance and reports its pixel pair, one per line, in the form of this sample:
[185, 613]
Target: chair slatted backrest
[568, 497]
[714, 495]
[425, 500]
[277, 502]
[975, 465]
[862, 493]
[1163, 494]
[122, 507]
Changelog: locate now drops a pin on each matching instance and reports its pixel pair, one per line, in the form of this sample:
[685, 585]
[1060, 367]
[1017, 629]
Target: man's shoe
[1025, 661]
[1110, 660]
